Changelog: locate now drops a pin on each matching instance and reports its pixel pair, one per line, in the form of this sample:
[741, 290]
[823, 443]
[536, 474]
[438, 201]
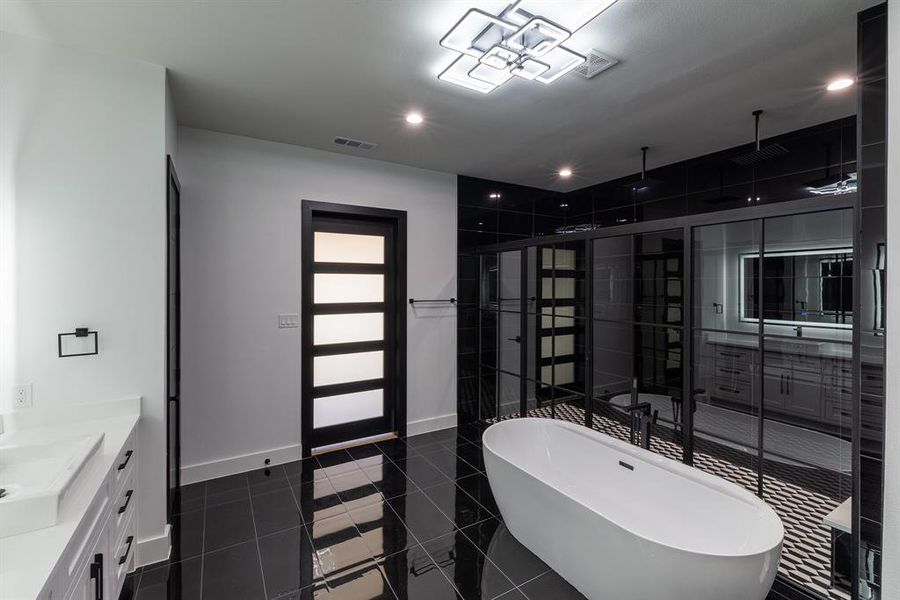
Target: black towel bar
[450, 300]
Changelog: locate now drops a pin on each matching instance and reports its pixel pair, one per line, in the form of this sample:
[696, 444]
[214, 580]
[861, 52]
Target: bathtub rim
[701, 477]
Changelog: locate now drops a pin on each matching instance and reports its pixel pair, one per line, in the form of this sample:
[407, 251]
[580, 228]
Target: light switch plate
[288, 321]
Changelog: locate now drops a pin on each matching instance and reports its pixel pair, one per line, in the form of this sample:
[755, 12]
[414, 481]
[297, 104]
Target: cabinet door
[803, 397]
[775, 388]
[92, 580]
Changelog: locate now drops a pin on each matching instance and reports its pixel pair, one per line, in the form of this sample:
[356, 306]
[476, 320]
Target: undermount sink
[36, 472]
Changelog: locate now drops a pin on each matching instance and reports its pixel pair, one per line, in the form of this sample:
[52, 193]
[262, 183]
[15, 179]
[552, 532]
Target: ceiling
[304, 72]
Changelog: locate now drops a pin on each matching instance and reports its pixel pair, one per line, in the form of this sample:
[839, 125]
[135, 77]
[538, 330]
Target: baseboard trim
[431, 424]
[277, 456]
[154, 549]
[239, 464]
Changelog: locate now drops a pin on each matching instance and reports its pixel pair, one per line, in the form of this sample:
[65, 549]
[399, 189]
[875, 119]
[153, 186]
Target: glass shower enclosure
[734, 330]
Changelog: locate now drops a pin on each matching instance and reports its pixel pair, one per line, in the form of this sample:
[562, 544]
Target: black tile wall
[871, 119]
[491, 212]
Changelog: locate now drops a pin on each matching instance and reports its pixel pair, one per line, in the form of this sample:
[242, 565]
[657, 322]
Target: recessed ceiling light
[494, 195]
[414, 118]
[839, 84]
[565, 172]
[564, 205]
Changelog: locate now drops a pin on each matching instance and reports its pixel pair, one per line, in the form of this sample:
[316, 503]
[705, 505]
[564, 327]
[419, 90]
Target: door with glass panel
[353, 329]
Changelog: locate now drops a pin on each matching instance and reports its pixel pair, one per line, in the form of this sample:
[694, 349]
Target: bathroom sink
[36, 472]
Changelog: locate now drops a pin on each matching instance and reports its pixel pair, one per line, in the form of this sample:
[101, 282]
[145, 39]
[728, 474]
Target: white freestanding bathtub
[620, 522]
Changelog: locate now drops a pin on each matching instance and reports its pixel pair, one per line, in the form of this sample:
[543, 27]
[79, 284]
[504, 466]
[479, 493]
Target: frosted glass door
[350, 330]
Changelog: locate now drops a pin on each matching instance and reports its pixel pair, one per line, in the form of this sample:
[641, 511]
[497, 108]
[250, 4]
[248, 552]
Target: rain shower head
[759, 154]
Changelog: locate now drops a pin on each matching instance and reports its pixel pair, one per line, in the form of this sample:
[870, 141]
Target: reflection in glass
[807, 276]
[510, 342]
[812, 286]
[716, 273]
[489, 280]
[510, 287]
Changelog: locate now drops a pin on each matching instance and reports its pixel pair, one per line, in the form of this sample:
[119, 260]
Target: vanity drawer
[738, 375]
[728, 390]
[125, 461]
[732, 355]
[124, 504]
[838, 411]
[122, 556]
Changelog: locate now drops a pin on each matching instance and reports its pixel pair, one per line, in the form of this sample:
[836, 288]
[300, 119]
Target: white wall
[241, 268]
[171, 123]
[891, 557]
[84, 177]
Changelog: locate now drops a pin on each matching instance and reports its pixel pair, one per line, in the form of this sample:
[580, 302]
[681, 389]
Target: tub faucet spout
[642, 416]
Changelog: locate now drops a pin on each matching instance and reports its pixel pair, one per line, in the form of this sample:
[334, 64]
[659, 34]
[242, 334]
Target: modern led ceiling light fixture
[525, 41]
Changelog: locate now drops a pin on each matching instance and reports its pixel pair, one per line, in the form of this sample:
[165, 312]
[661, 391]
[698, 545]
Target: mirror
[812, 287]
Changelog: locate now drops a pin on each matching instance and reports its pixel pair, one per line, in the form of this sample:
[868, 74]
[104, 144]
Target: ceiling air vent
[358, 144]
[596, 63]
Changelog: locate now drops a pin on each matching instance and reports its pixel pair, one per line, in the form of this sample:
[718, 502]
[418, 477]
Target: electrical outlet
[22, 396]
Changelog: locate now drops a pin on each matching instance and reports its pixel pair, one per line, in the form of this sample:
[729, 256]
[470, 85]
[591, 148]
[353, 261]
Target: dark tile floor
[410, 518]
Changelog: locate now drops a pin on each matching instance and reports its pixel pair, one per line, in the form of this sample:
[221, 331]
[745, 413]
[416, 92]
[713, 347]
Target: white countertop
[841, 517]
[27, 560]
[800, 345]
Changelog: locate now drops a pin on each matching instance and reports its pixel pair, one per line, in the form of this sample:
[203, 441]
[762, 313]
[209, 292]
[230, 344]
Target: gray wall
[241, 268]
[83, 213]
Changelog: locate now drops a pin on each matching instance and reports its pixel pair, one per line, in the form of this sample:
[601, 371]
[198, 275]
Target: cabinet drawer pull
[124, 557]
[128, 496]
[127, 458]
[97, 576]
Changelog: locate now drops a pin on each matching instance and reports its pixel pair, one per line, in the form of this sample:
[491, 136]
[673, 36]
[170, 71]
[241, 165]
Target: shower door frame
[687, 223]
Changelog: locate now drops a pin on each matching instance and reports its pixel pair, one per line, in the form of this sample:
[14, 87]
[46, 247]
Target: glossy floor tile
[399, 519]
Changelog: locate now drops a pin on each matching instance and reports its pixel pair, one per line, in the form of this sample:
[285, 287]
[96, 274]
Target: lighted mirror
[802, 287]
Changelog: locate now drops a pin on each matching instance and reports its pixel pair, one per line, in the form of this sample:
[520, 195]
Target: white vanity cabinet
[807, 388]
[90, 582]
[101, 552]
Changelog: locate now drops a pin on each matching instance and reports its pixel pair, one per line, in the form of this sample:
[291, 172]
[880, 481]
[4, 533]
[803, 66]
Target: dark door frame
[173, 321]
[395, 319]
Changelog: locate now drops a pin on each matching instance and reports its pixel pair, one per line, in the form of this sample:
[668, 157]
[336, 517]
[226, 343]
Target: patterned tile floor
[800, 496]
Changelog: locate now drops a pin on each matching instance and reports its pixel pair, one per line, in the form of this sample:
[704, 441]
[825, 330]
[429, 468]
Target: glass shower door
[637, 292]
[502, 339]
[726, 384]
[773, 377]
